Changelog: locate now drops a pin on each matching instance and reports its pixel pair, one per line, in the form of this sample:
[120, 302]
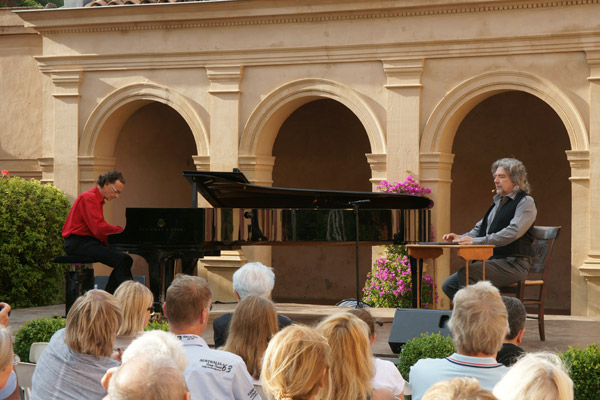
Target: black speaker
[410, 323]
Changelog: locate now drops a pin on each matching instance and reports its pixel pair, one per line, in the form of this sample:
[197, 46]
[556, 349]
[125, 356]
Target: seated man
[252, 278]
[86, 232]
[148, 377]
[510, 351]
[479, 324]
[507, 224]
[213, 374]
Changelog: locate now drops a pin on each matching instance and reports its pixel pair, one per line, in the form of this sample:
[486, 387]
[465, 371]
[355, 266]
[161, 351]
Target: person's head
[136, 304]
[510, 175]
[367, 318]
[253, 324]
[479, 321]
[295, 363]
[516, 316]
[536, 376]
[188, 303]
[92, 323]
[6, 355]
[111, 184]
[253, 278]
[461, 388]
[159, 343]
[348, 337]
[148, 377]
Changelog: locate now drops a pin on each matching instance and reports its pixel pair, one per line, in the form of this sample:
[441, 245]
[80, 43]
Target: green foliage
[157, 326]
[37, 330]
[31, 220]
[584, 369]
[425, 346]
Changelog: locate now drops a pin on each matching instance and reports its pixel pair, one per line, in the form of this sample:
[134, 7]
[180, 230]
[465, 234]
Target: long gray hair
[516, 172]
[6, 347]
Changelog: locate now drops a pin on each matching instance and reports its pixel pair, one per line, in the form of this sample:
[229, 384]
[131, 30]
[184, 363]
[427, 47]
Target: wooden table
[433, 250]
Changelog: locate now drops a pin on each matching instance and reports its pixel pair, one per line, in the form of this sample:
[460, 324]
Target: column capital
[436, 167]
[66, 83]
[47, 166]
[202, 163]
[90, 167]
[258, 169]
[403, 73]
[579, 160]
[224, 78]
[378, 164]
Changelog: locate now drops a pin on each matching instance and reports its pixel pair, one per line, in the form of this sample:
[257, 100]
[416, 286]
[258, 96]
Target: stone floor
[561, 331]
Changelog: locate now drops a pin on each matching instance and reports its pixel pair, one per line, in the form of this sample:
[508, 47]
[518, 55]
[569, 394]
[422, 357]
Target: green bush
[157, 325]
[37, 330]
[584, 369]
[428, 345]
[31, 220]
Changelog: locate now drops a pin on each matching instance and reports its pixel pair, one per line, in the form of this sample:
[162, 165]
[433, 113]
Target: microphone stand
[355, 205]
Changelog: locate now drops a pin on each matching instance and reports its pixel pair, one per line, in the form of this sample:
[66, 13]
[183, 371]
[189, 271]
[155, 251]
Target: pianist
[507, 224]
[85, 230]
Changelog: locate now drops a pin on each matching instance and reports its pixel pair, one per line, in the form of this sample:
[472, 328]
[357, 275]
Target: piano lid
[232, 190]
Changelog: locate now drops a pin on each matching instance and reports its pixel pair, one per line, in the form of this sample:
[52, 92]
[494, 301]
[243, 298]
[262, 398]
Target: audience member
[210, 373]
[386, 375]
[253, 324]
[252, 278]
[536, 376]
[458, 389]
[148, 377]
[4, 314]
[73, 363]
[136, 304]
[8, 378]
[510, 351]
[479, 324]
[348, 338]
[295, 364]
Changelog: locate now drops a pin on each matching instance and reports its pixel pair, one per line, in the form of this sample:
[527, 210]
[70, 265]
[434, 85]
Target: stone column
[403, 112]
[378, 165]
[590, 269]
[66, 131]
[436, 174]
[223, 149]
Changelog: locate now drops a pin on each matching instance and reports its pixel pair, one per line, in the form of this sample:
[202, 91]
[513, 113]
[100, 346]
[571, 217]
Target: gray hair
[148, 377]
[254, 278]
[479, 321]
[158, 343]
[516, 172]
[6, 347]
[516, 315]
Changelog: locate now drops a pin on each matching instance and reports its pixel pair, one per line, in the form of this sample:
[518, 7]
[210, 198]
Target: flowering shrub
[389, 284]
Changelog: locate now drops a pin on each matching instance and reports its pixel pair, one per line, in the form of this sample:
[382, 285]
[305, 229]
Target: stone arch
[263, 125]
[104, 124]
[443, 123]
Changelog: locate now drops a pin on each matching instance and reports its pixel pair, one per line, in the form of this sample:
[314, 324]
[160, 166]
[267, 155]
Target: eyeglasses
[115, 189]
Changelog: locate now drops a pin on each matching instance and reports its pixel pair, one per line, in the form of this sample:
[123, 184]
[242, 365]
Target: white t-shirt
[387, 377]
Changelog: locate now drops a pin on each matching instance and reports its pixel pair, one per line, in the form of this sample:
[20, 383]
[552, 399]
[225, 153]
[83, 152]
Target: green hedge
[428, 345]
[37, 330]
[584, 369]
[31, 220]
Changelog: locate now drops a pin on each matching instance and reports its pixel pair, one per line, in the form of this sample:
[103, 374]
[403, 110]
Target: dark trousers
[92, 247]
[499, 271]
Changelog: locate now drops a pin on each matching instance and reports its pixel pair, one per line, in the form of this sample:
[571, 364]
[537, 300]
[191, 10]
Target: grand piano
[244, 214]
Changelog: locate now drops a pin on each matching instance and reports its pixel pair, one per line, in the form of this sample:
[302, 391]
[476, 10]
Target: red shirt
[87, 219]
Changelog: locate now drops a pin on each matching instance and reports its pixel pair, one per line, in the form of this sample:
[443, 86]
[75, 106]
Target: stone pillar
[66, 131]
[403, 112]
[223, 149]
[590, 269]
[378, 165]
[580, 218]
[436, 172]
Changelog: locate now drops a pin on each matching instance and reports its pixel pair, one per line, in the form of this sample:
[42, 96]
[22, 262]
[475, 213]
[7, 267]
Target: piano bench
[77, 280]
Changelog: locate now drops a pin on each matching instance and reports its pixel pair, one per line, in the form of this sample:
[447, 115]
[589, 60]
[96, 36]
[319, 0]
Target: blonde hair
[461, 388]
[479, 321]
[294, 363]
[352, 365]
[6, 347]
[92, 323]
[187, 297]
[536, 376]
[135, 300]
[253, 324]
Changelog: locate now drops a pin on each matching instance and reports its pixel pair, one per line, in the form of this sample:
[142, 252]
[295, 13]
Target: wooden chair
[544, 236]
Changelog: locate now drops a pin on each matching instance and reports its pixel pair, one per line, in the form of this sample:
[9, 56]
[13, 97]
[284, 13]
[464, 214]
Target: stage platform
[562, 331]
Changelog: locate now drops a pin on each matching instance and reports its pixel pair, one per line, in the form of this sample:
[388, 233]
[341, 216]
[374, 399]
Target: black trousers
[92, 247]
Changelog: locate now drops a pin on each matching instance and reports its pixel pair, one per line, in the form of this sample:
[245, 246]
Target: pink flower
[4, 172]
